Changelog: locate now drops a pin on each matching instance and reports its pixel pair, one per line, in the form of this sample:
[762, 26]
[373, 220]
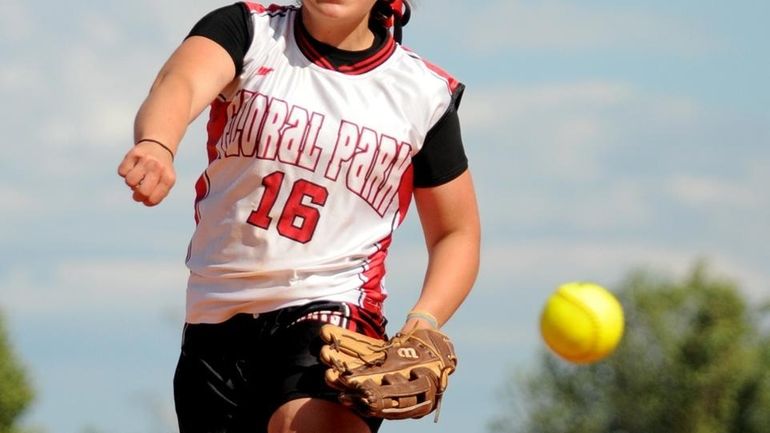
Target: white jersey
[309, 174]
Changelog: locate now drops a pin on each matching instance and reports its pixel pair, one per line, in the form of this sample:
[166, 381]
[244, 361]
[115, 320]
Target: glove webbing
[343, 366]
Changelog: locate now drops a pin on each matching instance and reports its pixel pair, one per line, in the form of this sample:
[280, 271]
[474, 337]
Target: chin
[338, 9]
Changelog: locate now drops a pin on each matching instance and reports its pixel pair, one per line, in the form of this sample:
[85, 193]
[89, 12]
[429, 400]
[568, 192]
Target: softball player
[322, 128]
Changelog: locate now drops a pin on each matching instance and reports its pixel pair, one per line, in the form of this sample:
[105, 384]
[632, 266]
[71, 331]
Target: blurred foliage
[694, 359]
[15, 391]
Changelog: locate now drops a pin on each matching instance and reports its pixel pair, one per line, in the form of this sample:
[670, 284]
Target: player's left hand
[148, 169]
[404, 377]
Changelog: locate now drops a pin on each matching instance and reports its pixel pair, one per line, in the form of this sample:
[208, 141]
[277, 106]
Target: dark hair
[384, 15]
[381, 12]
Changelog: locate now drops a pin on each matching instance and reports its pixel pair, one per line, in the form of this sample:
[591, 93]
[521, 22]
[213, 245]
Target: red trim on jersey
[451, 82]
[254, 7]
[405, 191]
[309, 51]
[277, 8]
[258, 8]
[372, 62]
[201, 192]
[365, 65]
[370, 323]
[372, 275]
[216, 126]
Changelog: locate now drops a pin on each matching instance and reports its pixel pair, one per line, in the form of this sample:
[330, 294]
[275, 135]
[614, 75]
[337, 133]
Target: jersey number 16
[298, 218]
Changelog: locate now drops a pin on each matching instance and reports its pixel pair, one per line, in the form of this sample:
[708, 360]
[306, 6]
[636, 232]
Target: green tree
[694, 359]
[15, 391]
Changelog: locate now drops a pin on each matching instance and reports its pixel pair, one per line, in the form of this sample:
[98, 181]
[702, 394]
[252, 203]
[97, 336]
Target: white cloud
[561, 128]
[577, 26]
[18, 77]
[72, 287]
[16, 21]
[82, 87]
[495, 105]
[99, 28]
[574, 113]
[105, 122]
[74, 101]
[550, 263]
[715, 191]
[612, 206]
[16, 202]
[597, 156]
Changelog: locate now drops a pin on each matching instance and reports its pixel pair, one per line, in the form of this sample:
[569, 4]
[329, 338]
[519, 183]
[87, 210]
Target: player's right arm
[191, 78]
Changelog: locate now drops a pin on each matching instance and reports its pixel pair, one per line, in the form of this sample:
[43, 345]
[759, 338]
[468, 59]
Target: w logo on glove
[408, 352]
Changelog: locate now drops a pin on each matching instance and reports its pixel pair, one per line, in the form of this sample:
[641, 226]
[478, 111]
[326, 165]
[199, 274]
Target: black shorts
[232, 376]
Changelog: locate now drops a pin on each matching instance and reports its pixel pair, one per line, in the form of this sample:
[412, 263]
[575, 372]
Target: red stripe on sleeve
[452, 82]
[254, 7]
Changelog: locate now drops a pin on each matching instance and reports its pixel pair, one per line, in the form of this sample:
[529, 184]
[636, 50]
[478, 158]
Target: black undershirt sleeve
[231, 28]
[442, 156]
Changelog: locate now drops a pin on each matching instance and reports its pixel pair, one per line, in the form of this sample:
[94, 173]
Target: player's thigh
[313, 415]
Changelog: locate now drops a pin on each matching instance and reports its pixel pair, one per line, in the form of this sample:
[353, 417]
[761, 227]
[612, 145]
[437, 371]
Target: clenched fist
[148, 169]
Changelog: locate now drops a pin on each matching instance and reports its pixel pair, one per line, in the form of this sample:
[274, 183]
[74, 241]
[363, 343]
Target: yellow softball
[582, 322]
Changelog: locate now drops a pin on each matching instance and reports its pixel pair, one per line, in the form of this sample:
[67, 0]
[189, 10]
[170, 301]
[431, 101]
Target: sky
[603, 137]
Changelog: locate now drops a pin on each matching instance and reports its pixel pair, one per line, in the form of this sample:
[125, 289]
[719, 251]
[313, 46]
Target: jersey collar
[346, 62]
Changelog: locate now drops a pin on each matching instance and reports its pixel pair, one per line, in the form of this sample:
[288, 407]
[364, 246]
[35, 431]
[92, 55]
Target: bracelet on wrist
[150, 140]
[423, 315]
